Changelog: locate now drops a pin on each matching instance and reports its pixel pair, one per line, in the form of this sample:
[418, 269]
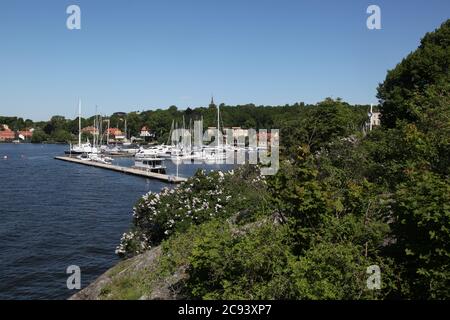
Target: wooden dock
[127, 170]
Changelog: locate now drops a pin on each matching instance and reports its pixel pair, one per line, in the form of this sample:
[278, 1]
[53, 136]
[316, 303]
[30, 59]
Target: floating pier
[127, 170]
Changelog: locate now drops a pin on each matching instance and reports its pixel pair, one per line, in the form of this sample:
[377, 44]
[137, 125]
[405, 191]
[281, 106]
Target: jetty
[127, 170]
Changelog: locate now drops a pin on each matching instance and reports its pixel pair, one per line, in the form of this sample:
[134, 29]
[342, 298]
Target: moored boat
[150, 164]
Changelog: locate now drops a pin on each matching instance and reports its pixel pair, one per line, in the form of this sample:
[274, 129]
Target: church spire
[212, 104]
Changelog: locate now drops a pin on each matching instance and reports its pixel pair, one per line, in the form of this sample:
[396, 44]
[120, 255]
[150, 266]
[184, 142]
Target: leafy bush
[200, 199]
[335, 271]
[253, 266]
[421, 226]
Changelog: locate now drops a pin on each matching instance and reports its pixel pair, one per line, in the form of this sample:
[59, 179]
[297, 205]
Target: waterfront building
[7, 135]
[25, 134]
[115, 132]
[145, 132]
[90, 130]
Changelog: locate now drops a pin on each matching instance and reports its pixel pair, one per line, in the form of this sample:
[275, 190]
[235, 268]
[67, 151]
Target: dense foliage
[204, 197]
[412, 87]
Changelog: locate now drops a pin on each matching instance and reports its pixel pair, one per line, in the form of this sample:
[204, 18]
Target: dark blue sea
[54, 214]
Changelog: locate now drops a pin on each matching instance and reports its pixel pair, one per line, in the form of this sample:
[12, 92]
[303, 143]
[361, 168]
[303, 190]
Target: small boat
[154, 151]
[147, 153]
[150, 164]
[214, 159]
[95, 158]
[113, 150]
[130, 148]
[81, 149]
[83, 156]
[100, 158]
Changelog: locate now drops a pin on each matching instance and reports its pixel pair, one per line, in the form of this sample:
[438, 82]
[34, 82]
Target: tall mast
[169, 140]
[95, 128]
[126, 134]
[184, 133]
[202, 137]
[79, 122]
[100, 132]
[176, 130]
[218, 127]
[191, 134]
[107, 134]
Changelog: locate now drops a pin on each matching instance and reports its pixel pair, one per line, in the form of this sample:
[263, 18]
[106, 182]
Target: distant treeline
[295, 121]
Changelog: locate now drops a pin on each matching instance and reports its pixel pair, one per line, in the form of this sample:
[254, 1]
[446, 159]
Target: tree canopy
[411, 87]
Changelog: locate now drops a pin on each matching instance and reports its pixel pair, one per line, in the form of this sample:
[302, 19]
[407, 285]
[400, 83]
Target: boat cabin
[150, 164]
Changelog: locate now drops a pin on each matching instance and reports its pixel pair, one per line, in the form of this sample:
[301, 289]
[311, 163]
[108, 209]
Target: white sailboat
[81, 148]
[215, 154]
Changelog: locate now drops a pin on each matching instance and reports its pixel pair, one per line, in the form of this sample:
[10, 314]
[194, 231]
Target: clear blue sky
[135, 55]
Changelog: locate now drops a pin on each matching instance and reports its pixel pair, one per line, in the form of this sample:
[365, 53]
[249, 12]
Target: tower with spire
[212, 104]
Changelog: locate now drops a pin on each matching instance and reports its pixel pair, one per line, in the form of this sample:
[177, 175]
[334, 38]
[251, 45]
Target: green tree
[424, 69]
[420, 210]
[61, 135]
[39, 136]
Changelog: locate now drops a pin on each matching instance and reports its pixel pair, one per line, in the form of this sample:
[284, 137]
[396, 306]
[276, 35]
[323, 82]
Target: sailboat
[81, 148]
[215, 154]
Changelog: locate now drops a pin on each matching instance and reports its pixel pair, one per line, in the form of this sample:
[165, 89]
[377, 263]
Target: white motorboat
[155, 151]
[96, 157]
[81, 149]
[145, 153]
[130, 148]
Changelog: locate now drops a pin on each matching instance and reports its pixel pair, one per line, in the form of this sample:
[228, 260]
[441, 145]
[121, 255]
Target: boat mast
[95, 128]
[201, 145]
[126, 134]
[107, 134]
[176, 130]
[79, 122]
[99, 135]
[184, 135]
[218, 128]
[169, 140]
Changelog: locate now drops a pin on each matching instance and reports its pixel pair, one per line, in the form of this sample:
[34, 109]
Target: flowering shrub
[203, 197]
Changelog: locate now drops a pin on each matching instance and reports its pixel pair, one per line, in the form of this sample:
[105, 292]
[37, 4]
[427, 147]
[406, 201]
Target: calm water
[54, 214]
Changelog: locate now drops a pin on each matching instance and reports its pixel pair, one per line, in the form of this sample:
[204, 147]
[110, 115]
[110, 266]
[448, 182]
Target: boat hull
[73, 152]
[155, 170]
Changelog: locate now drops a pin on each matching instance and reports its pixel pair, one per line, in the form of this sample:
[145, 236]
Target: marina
[184, 146]
[127, 170]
